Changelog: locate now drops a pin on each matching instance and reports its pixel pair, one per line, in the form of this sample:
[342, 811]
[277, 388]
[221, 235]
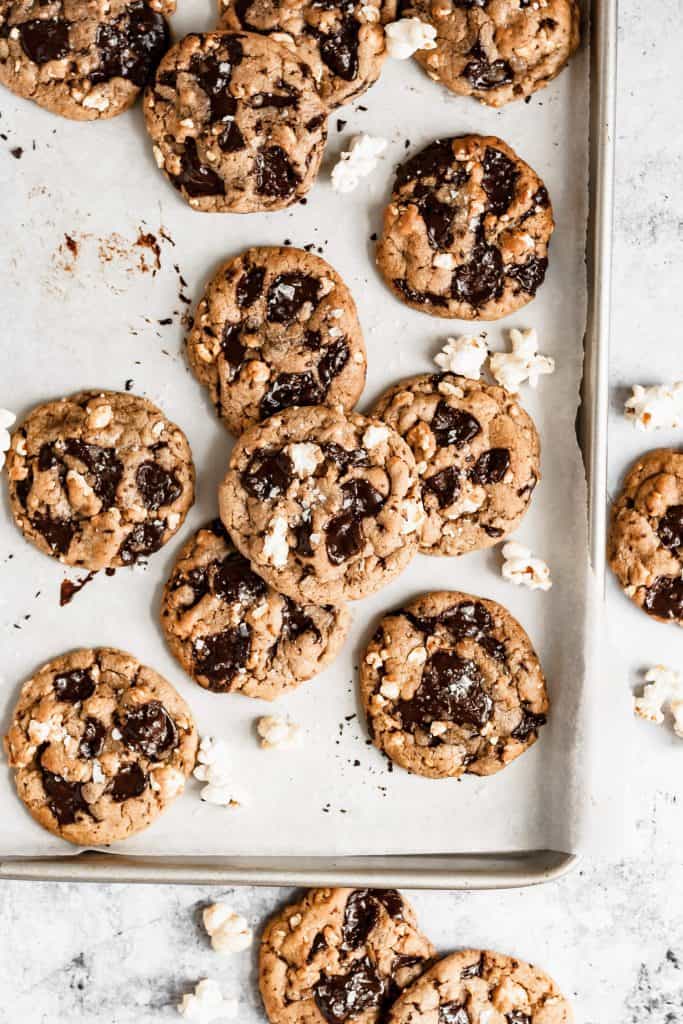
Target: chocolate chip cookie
[451, 684]
[479, 987]
[645, 546]
[340, 956]
[237, 123]
[83, 59]
[99, 479]
[342, 42]
[233, 633]
[276, 327]
[467, 230]
[325, 507]
[477, 453]
[99, 745]
[497, 50]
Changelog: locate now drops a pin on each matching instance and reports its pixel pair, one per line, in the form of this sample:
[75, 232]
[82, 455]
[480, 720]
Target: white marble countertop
[611, 933]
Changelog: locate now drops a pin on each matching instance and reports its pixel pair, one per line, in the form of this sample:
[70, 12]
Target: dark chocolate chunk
[302, 532]
[342, 997]
[92, 739]
[74, 686]
[250, 286]
[195, 177]
[451, 690]
[453, 1013]
[143, 539]
[530, 723]
[665, 598]
[213, 75]
[129, 782]
[361, 913]
[473, 970]
[445, 485]
[499, 180]
[295, 621]
[491, 466]
[158, 486]
[131, 46]
[234, 580]
[517, 1017]
[23, 488]
[290, 389]
[345, 457]
[339, 50]
[670, 529]
[438, 218]
[219, 656]
[529, 275]
[275, 175]
[434, 161]
[484, 75]
[231, 139]
[288, 293]
[319, 943]
[149, 729]
[232, 348]
[343, 537]
[64, 799]
[288, 97]
[480, 280]
[361, 497]
[334, 359]
[268, 474]
[420, 298]
[57, 532]
[104, 465]
[44, 39]
[453, 426]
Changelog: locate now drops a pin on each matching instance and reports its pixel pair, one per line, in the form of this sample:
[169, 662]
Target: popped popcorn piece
[656, 408]
[406, 36]
[511, 369]
[520, 567]
[7, 418]
[275, 546]
[374, 435]
[229, 931]
[414, 515]
[278, 732]
[464, 356]
[359, 160]
[663, 686]
[207, 1004]
[305, 458]
[214, 769]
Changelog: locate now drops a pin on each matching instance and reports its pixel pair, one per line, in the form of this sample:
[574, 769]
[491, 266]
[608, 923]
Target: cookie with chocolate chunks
[83, 59]
[237, 122]
[467, 230]
[450, 685]
[276, 327]
[325, 506]
[342, 42]
[645, 547]
[497, 50]
[477, 453]
[475, 986]
[340, 956]
[100, 479]
[100, 745]
[233, 633]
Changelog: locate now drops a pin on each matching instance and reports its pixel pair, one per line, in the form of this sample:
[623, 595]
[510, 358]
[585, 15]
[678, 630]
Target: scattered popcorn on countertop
[207, 1004]
[277, 732]
[229, 931]
[656, 408]
[359, 160]
[464, 356]
[523, 363]
[663, 686]
[408, 35]
[7, 418]
[213, 768]
[520, 567]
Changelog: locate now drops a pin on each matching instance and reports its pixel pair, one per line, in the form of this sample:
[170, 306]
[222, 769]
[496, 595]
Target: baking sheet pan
[91, 319]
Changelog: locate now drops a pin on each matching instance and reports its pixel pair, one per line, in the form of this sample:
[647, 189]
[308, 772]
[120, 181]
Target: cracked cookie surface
[99, 745]
[497, 50]
[233, 633]
[340, 956]
[276, 327]
[451, 684]
[645, 547]
[83, 59]
[477, 453]
[476, 986]
[324, 506]
[99, 479]
[237, 123]
[467, 230]
[342, 42]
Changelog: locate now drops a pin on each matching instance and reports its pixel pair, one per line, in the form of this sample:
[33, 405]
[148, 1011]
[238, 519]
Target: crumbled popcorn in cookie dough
[523, 363]
[275, 732]
[464, 356]
[659, 407]
[275, 546]
[663, 687]
[229, 931]
[357, 162]
[7, 418]
[207, 1004]
[520, 567]
[305, 458]
[406, 36]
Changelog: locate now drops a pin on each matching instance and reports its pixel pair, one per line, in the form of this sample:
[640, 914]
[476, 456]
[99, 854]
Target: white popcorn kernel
[97, 773]
[207, 1004]
[42, 732]
[99, 416]
[285, 39]
[438, 728]
[295, 920]
[275, 732]
[158, 156]
[305, 458]
[656, 408]
[275, 546]
[214, 769]
[663, 686]
[406, 36]
[445, 387]
[359, 160]
[173, 520]
[444, 261]
[414, 516]
[157, 428]
[116, 734]
[96, 101]
[390, 690]
[464, 356]
[187, 122]
[167, 780]
[7, 418]
[520, 567]
[229, 931]
[523, 363]
[374, 435]
[417, 656]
